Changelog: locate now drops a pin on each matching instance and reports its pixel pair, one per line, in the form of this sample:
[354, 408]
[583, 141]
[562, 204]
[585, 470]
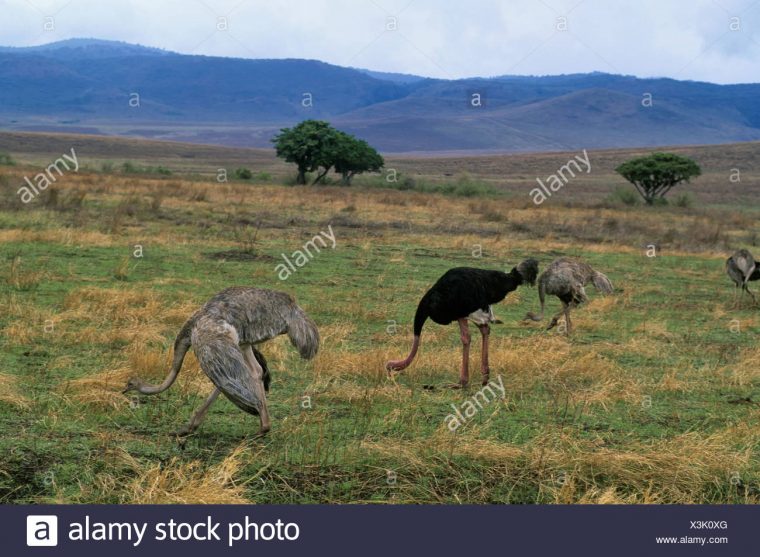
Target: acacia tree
[654, 175]
[315, 145]
[354, 156]
[308, 145]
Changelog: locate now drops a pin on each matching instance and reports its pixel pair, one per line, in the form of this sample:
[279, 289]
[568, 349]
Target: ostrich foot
[260, 434]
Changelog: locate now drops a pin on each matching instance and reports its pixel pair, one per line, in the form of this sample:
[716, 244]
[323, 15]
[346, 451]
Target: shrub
[407, 183]
[6, 160]
[624, 196]
[243, 173]
[684, 200]
[129, 168]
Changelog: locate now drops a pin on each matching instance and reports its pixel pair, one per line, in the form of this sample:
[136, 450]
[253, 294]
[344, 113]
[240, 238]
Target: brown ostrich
[566, 278]
[741, 269]
[223, 334]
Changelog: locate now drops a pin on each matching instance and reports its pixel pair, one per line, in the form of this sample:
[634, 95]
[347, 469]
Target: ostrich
[463, 294]
[223, 334]
[566, 278]
[741, 269]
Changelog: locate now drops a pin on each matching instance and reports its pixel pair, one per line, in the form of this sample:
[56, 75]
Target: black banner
[379, 530]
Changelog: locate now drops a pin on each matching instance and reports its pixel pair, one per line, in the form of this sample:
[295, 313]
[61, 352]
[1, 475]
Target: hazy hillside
[85, 85]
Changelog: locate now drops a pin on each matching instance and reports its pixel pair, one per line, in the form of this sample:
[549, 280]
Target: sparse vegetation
[624, 196]
[121, 271]
[463, 186]
[6, 160]
[132, 168]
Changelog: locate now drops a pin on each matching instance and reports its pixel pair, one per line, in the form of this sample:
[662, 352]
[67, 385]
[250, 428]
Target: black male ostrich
[465, 293]
[741, 268]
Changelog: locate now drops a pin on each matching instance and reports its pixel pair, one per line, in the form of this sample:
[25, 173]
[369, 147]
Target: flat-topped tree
[654, 175]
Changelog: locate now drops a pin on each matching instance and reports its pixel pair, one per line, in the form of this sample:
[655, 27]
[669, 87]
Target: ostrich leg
[568, 323]
[555, 319]
[197, 418]
[485, 330]
[464, 333]
[754, 300]
[258, 374]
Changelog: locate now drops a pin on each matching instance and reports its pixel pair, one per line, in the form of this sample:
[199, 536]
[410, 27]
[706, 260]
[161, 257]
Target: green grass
[605, 413]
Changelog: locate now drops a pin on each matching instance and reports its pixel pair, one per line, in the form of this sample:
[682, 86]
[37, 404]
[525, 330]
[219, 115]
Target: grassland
[653, 400]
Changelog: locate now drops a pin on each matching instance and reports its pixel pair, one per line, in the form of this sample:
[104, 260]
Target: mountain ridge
[92, 84]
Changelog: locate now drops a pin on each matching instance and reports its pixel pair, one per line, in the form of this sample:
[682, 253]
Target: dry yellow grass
[65, 236]
[111, 315]
[178, 482]
[10, 392]
[104, 389]
[746, 370]
[568, 470]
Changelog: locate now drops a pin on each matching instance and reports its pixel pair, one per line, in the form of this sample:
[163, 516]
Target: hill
[86, 85]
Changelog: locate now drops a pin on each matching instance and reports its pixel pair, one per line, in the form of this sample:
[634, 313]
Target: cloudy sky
[710, 40]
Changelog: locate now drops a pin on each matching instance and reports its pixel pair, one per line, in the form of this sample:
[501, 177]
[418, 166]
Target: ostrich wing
[601, 282]
[216, 346]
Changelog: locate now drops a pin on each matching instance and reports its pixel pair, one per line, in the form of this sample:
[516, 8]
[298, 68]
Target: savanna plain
[652, 399]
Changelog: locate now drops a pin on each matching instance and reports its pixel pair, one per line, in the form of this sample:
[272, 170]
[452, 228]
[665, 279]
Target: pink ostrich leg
[485, 371]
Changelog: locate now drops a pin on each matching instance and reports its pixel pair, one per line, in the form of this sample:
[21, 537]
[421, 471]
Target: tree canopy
[354, 156]
[654, 175]
[314, 145]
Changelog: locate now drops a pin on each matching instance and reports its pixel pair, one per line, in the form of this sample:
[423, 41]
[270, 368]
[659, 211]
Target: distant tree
[654, 175]
[354, 156]
[310, 145]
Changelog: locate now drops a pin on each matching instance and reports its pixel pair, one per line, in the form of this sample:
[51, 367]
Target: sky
[707, 40]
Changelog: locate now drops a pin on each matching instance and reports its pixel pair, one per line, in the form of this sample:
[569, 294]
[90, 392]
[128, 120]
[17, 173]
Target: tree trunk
[320, 176]
[301, 178]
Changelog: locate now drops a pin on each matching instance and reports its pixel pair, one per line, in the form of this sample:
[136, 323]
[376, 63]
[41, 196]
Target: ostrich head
[528, 271]
[133, 384]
